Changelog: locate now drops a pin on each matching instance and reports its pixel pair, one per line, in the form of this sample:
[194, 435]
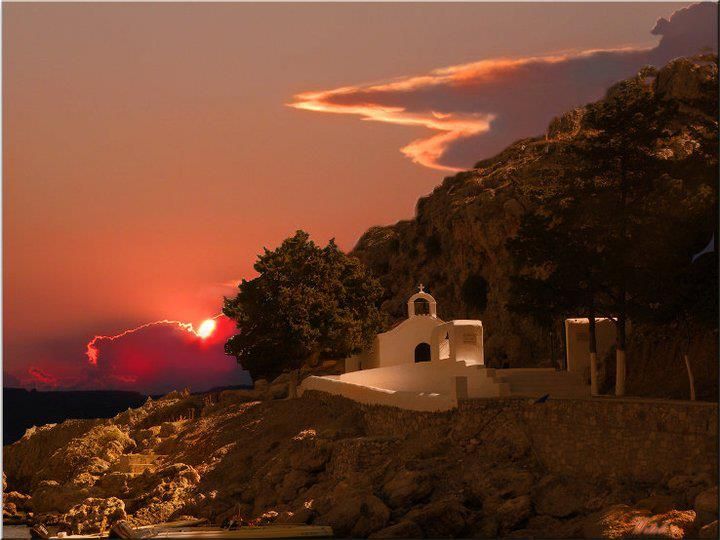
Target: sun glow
[204, 331]
[206, 328]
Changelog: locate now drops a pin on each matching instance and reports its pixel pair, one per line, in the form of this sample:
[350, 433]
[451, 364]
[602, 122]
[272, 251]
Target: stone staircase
[536, 382]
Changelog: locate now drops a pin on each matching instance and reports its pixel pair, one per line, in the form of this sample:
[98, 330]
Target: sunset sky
[150, 151]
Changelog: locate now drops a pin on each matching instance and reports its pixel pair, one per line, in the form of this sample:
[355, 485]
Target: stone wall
[630, 439]
[360, 454]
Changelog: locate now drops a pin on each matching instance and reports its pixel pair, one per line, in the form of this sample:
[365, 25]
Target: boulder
[180, 474]
[672, 524]
[404, 529]
[506, 483]
[300, 517]
[283, 378]
[706, 507]
[310, 455]
[513, 512]
[374, 515]
[21, 502]
[51, 496]
[279, 390]
[261, 385]
[441, 518]
[622, 521]
[685, 488]
[406, 488]
[543, 524]
[9, 510]
[556, 497]
[614, 522]
[295, 480]
[356, 515]
[657, 504]
[92, 454]
[114, 483]
[94, 515]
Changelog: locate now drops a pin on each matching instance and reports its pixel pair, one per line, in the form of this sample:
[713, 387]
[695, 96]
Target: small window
[422, 352]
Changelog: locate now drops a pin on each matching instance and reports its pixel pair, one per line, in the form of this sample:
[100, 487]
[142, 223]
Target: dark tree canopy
[615, 234]
[307, 302]
[475, 292]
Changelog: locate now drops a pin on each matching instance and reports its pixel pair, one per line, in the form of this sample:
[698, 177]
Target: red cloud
[157, 358]
[42, 378]
[152, 360]
[477, 109]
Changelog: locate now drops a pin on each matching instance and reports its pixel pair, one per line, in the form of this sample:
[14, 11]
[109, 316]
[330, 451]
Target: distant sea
[23, 408]
[26, 408]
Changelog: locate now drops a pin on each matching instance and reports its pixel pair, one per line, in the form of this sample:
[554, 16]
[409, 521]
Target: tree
[681, 288]
[620, 143]
[554, 252]
[474, 293]
[638, 190]
[656, 154]
[307, 302]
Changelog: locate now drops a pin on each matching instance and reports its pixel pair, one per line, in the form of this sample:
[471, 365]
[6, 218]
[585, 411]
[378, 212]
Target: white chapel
[425, 363]
[423, 337]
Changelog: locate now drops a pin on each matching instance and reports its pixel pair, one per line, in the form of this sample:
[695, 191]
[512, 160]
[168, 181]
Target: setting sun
[206, 328]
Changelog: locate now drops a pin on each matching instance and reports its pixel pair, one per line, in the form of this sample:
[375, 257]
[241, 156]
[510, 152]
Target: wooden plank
[263, 531]
[175, 524]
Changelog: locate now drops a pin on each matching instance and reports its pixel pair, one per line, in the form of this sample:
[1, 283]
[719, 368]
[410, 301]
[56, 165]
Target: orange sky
[149, 152]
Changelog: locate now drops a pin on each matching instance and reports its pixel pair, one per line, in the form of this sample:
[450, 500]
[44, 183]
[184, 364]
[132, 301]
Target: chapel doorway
[422, 352]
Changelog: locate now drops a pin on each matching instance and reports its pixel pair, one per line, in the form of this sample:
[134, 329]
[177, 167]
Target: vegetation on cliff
[639, 197]
[616, 233]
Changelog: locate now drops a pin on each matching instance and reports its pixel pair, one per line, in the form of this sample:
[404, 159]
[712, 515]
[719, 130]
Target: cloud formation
[44, 379]
[475, 110]
[152, 360]
[160, 358]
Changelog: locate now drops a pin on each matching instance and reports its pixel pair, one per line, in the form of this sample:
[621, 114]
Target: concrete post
[594, 386]
[460, 389]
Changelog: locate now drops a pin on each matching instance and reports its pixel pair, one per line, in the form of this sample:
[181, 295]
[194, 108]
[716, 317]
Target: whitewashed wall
[397, 346]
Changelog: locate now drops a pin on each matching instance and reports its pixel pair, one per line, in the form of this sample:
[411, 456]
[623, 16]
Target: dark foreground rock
[322, 460]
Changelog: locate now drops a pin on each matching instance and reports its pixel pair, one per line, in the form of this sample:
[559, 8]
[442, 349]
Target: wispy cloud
[474, 110]
[42, 378]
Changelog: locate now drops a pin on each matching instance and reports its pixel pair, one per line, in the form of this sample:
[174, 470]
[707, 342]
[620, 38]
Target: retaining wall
[632, 439]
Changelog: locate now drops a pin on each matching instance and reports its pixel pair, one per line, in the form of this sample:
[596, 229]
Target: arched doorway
[422, 352]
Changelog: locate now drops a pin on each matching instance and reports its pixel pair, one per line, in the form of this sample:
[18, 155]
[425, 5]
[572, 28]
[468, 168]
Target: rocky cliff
[455, 245]
[493, 468]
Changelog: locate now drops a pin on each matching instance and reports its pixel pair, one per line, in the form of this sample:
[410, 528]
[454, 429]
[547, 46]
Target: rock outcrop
[455, 244]
[320, 460]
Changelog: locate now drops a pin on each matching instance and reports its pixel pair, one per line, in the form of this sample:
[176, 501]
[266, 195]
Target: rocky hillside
[457, 238]
[325, 460]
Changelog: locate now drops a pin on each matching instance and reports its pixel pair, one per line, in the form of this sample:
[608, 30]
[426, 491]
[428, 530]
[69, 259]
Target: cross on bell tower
[422, 303]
